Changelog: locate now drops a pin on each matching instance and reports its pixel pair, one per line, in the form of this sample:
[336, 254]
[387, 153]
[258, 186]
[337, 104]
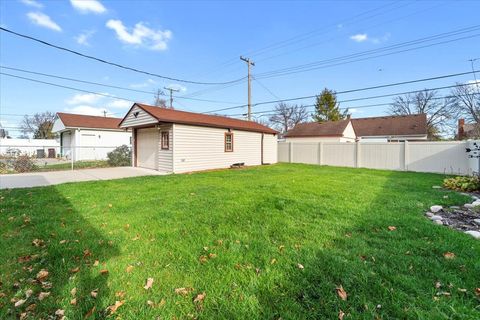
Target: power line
[113, 63]
[109, 86]
[347, 58]
[351, 90]
[266, 89]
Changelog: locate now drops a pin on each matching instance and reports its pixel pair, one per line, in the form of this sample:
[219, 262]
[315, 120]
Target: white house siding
[28, 146]
[270, 146]
[202, 148]
[96, 144]
[165, 157]
[143, 118]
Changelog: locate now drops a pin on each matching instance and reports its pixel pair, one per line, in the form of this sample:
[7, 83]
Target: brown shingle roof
[184, 117]
[316, 129]
[415, 124]
[71, 120]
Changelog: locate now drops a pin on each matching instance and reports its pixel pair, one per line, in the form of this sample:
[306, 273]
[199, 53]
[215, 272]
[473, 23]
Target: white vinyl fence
[440, 157]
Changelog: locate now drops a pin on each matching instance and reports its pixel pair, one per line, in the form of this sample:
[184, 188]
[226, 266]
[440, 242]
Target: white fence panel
[443, 157]
[389, 156]
[305, 153]
[339, 154]
[429, 156]
[283, 152]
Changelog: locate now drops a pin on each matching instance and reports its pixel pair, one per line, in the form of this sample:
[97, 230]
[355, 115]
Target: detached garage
[178, 141]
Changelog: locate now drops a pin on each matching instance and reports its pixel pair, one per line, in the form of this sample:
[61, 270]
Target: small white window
[228, 142]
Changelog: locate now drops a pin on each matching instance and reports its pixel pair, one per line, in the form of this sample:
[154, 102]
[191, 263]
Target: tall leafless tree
[40, 125]
[467, 101]
[286, 116]
[441, 112]
[159, 101]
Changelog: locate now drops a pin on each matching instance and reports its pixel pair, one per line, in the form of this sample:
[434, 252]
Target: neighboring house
[40, 148]
[375, 129]
[89, 137]
[178, 141]
[467, 130]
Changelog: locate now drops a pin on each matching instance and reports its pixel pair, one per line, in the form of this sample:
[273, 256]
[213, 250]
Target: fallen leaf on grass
[449, 255]
[120, 294]
[110, 205]
[63, 241]
[42, 275]
[212, 255]
[273, 261]
[203, 259]
[477, 292]
[31, 307]
[104, 272]
[438, 284]
[38, 242]
[43, 295]
[73, 302]
[443, 293]
[24, 259]
[89, 313]
[149, 284]
[19, 303]
[75, 270]
[183, 291]
[96, 263]
[28, 293]
[60, 313]
[73, 292]
[392, 228]
[117, 305]
[341, 314]
[199, 298]
[94, 293]
[137, 237]
[129, 269]
[341, 293]
[462, 290]
[86, 253]
[300, 266]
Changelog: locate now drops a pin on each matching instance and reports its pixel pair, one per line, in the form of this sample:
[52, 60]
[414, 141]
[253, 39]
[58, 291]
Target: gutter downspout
[262, 148]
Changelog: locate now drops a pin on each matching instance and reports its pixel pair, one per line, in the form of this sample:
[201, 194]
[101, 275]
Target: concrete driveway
[36, 179]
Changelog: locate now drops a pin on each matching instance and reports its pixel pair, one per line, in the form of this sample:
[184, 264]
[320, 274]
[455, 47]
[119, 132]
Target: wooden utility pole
[249, 63]
[171, 95]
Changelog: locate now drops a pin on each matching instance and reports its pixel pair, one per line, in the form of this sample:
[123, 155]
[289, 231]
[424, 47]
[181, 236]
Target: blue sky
[202, 41]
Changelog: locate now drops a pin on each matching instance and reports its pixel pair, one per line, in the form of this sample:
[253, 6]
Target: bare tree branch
[287, 116]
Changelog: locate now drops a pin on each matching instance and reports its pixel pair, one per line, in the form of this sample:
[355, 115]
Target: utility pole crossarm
[171, 95]
[249, 64]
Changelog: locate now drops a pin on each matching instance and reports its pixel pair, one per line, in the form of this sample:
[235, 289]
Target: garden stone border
[464, 218]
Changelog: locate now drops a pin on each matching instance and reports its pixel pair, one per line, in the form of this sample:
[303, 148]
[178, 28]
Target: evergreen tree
[327, 108]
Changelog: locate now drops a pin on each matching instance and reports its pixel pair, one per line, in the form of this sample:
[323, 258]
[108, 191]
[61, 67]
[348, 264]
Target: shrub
[23, 163]
[3, 167]
[121, 156]
[467, 184]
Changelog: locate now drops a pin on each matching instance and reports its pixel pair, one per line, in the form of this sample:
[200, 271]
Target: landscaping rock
[468, 205]
[477, 221]
[429, 214]
[438, 222]
[474, 234]
[435, 209]
[454, 207]
[436, 218]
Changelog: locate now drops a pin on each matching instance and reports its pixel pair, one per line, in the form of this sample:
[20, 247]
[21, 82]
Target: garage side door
[147, 147]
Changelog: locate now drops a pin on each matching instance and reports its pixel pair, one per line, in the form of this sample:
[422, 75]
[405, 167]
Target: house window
[228, 142]
[165, 140]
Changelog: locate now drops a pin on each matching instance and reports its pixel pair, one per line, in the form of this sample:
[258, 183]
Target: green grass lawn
[239, 236]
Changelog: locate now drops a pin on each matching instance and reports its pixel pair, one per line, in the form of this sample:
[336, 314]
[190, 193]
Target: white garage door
[147, 146]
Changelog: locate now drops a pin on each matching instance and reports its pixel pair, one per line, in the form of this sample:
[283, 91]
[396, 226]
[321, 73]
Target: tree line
[442, 112]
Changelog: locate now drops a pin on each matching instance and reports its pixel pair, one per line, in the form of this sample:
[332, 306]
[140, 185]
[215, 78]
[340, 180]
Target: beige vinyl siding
[270, 148]
[202, 148]
[165, 157]
[143, 118]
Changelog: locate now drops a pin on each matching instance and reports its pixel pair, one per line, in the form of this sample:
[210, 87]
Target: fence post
[320, 153]
[406, 153]
[71, 156]
[357, 154]
[290, 151]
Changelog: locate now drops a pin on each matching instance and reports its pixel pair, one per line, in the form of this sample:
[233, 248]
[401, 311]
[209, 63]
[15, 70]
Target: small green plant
[467, 184]
[23, 163]
[121, 156]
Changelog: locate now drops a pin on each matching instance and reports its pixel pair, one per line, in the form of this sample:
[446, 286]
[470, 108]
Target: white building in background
[85, 137]
[178, 141]
[41, 148]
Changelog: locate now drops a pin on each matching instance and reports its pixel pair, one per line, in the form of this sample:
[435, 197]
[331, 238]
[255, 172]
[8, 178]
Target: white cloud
[81, 98]
[141, 35]
[120, 104]
[87, 6]
[83, 37]
[32, 3]
[144, 84]
[43, 20]
[175, 86]
[89, 110]
[360, 37]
